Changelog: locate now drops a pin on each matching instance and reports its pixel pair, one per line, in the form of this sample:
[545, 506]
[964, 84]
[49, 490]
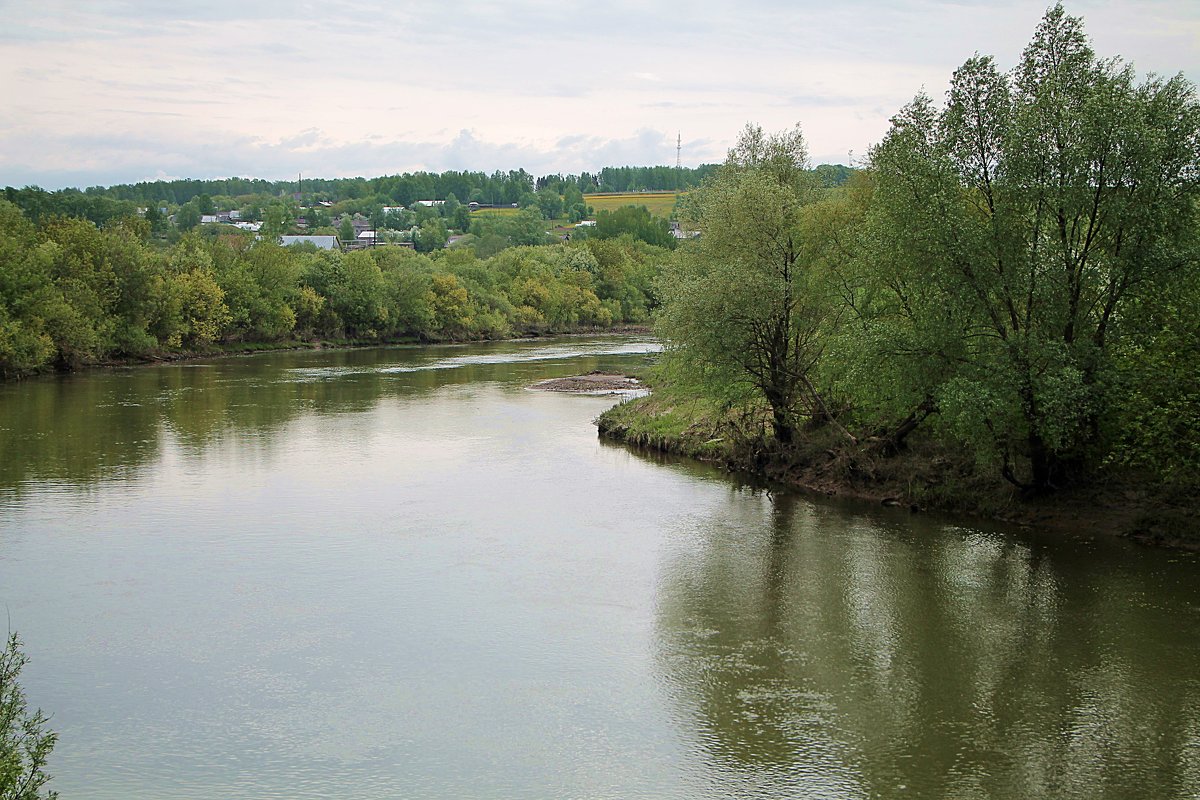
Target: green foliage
[833, 175]
[550, 203]
[1017, 266]
[73, 294]
[40, 206]
[457, 215]
[430, 236]
[1155, 421]
[25, 743]
[741, 307]
[635, 221]
[494, 232]
[260, 283]
[188, 216]
[1010, 231]
[191, 310]
[279, 218]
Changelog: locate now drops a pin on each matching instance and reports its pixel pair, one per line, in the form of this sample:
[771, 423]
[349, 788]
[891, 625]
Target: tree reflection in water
[837, 654]
[97, 426]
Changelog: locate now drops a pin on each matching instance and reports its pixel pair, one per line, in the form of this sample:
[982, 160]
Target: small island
[595, 382]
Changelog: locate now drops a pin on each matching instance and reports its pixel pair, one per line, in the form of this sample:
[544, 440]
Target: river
[398, 572]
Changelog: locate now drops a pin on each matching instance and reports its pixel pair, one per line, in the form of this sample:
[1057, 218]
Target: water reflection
[98, 426]
[849, 656]
[282, 575]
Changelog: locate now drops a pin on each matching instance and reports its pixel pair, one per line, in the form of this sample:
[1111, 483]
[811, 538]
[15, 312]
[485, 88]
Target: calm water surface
[399, 573]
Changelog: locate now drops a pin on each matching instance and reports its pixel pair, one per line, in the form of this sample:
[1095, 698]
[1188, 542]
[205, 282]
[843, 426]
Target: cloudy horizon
[123, 91]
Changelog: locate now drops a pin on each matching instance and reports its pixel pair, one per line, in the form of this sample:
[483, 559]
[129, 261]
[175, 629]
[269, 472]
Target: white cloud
[120, 90]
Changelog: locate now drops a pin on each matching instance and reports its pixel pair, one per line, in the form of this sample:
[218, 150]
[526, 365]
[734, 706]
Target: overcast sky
[121, 91]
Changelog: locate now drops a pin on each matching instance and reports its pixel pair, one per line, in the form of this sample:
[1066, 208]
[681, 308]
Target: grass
[495, 212]
[660, 204]
[668, 422]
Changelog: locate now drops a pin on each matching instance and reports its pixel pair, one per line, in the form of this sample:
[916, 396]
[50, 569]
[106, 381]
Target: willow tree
[1031, 210]
[738, 306]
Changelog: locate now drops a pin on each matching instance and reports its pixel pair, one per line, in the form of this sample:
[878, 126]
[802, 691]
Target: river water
[398, 573]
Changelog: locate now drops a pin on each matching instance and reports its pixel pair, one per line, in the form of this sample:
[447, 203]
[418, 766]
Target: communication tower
[678, 160]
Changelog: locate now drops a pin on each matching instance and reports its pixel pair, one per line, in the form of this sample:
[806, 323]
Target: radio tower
[678, 159]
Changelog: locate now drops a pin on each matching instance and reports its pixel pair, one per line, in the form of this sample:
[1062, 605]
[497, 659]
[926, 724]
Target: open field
[659, 204]
[495, 212]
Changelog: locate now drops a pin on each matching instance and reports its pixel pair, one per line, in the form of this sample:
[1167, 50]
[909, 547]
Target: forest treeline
[1013, 280]
[100, 203]
[73, 293]
[555, 195]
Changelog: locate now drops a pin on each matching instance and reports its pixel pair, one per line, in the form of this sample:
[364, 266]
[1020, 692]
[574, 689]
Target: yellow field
[659, 204]
[495, 212]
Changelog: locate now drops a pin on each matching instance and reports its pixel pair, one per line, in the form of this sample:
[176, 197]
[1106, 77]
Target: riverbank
[923, 476]
[221, 350]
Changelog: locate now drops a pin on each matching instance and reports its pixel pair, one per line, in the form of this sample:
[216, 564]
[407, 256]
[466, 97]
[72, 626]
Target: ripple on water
[544, 353]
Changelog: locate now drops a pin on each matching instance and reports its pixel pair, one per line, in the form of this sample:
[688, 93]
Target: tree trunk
[911, 423]
[1042, 464]
[782, 425]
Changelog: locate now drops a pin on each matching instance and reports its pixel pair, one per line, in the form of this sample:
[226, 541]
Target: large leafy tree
[741, 310]
[1015, 225]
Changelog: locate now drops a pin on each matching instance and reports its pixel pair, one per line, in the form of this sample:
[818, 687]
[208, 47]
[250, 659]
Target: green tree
[318, 218]
[740, 310]
[27, 296]
[346, 230]
[450, 305]
[360, 295]
[25, 743]
[457, 215]
[154, 217]
[191, 310]
[636, 221]
[1155, 420]
[1032, 210]
[188, 216]
[549, 203]
[259, 283]
[430, 236]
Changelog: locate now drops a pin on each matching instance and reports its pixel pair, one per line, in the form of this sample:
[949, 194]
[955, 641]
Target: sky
[119, 91]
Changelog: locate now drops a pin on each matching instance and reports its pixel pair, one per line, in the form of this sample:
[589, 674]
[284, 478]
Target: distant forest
[103, 203]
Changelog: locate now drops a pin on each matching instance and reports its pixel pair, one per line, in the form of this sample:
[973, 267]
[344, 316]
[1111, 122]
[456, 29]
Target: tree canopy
[739, 306]
[1015, 271]
[1034, 209]
[73, 293]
